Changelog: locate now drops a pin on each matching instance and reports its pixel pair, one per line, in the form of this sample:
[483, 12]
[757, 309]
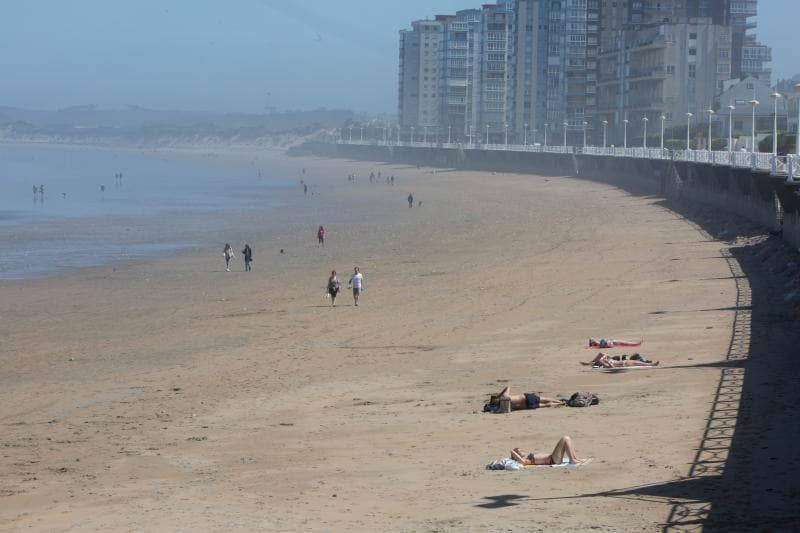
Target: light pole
[663, 118]
[449, 128]
[565, 124]
[506, 139]
[731, 109]
[688, 130]
[775, 96]
[546, 126]
[753, 103]
[525, 140]
[412, 134]
[605, 130]
[471, 133]
[398, 134]
[584, 134]
[797, 131]
[362, 133]
[710, 115]
[644, 139]
[487, 134]
[425, 134]
[625, 134]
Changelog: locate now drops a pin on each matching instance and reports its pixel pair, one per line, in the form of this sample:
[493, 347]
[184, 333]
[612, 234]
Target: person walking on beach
[41, 193]
[248, 257]
[333, 287]
[321, 236]
[227, 252]
[410, 200]
[305, 189]
[356, 283]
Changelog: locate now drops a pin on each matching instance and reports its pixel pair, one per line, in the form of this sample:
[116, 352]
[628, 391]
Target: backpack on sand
[583, 399]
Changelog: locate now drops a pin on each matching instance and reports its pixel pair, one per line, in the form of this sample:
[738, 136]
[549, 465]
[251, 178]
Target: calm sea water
[89, 217]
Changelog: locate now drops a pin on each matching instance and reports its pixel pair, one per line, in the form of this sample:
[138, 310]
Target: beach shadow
[501, 500]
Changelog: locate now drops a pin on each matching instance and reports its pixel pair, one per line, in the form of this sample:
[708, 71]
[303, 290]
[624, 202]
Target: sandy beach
[170, 395]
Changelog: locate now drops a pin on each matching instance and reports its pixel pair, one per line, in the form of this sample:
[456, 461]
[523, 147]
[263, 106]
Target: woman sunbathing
[527, 400]
[605, 361]
[612, 343]
[563, 447]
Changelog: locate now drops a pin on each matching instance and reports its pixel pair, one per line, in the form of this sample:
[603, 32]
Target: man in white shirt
[356, 284]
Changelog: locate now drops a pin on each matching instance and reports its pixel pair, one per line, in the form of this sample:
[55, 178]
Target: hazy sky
[228, 55]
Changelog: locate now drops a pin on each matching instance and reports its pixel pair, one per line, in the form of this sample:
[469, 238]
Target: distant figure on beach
[63, 195]
[611, 343]
[247, 253]
[410, 200]
[603, 360]
[372, 177]
[504, 402]
[356, 283]
[563, 447]
[305, 189]
[41, 193]
[333, 287]
[35, 193]
[321, 236]
[419, 204]
[304, 172]
[392, 179]
[227, 252]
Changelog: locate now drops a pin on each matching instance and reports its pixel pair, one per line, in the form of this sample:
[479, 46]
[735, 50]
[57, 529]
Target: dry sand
[171, 395]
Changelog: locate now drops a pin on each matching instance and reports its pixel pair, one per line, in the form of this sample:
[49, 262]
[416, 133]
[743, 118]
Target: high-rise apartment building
[511, 67]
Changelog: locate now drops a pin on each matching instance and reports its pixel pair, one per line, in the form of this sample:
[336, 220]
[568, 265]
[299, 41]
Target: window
[692, 51]
[692, 36]
[692, 71]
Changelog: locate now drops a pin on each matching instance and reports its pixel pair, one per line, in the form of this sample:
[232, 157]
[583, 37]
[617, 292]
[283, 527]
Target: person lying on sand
[518, 402]
[612, 343]
[563, 447]
[605, 361]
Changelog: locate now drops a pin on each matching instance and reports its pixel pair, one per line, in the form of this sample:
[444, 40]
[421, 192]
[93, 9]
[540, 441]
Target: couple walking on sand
[228, 254]
[356, 283]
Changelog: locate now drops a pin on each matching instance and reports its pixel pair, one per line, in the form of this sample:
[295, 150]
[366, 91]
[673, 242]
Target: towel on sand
[511, 464]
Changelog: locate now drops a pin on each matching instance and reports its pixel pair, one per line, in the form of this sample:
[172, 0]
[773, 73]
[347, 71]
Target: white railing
[788, 165]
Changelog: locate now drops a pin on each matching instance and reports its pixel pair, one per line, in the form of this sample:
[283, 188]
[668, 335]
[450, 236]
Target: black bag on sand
[583, 399]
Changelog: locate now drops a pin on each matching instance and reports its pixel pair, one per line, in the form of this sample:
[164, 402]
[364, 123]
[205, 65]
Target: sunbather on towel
[527, 400]
[605, 361]
[563, 447]
[611, 343]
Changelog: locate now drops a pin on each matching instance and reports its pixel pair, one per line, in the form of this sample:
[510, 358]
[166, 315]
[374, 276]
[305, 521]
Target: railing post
[774, 165]
[790, 168]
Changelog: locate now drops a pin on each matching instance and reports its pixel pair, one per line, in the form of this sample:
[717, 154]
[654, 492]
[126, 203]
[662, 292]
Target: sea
[103, 206]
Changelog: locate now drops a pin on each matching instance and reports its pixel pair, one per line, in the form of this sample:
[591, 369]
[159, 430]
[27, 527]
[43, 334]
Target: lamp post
[584, 133]
[688, 130]
[525, 136]
[471, 133]
[449, 131]
[546, 126]
[797, 131]
[506, 138]
[487, 134]
[412, 134]
[425, 134]
[754, 103]
[644, 139]
[731, 109]
[362, 133]
[605, 131]
[351, 133]
[663, 118]
[775, 96]
[710, 115]
[625, 133]
[565, 124]
[398, 134]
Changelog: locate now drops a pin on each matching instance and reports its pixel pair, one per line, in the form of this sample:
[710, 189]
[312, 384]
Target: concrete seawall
[768, 200]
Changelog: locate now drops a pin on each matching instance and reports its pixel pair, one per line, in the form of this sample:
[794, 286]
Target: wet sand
[171, 395]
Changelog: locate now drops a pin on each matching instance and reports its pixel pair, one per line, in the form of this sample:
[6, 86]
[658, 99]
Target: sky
[238, 55]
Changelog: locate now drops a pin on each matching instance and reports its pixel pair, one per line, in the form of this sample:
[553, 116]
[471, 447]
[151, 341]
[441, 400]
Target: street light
[425, 134]
[797, 131]
[487, 134]
[398, 134]
[731, 109]
[663, 118]
[605, 130]
[710, 115]
[471, 133]
[584, 133]
[525, 138]
[565, 124]
[351, 133]
[688, 130]
[362, 133]
[412, 134]
[506, 128]
[754, 103]
[546, 126]
[644, 140]
[775, 96]
[449, 128]
[625, 134]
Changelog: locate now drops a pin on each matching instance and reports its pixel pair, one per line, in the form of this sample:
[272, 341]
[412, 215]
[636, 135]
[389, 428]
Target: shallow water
[162, 203]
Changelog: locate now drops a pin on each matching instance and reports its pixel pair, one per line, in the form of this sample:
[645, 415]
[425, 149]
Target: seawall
[767, 200]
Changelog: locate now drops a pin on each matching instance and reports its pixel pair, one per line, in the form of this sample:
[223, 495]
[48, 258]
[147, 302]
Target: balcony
[645, 73]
